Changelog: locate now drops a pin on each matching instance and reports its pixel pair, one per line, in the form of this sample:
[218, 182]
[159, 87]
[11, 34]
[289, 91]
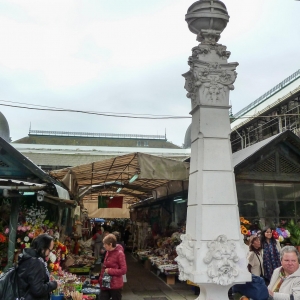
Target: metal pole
[13, 223]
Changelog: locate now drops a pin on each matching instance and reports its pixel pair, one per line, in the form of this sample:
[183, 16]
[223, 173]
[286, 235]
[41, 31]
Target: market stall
[162, 256]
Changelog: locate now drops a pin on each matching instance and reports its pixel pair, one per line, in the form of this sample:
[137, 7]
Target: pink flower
[24, 228]
[19, 228]
[6, 231]
[28, 227]
[31, 235]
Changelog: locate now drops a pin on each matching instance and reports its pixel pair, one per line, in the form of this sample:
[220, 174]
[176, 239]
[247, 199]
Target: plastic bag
[106, 280]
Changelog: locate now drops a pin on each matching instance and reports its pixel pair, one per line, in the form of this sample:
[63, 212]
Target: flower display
[2, 238]
[57, 255]
[244, 226]
[281, 234]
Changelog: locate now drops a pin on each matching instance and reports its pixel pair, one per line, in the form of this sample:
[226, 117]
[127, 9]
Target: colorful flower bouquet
[281, 234]
[57, 255]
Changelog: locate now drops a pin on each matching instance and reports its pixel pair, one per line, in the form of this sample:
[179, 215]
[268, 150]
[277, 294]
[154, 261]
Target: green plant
[294, 230]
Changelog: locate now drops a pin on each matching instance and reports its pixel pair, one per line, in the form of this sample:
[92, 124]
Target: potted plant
[294, 230]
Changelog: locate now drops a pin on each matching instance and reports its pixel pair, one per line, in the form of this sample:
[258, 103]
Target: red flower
[275, 234]
[2, 238]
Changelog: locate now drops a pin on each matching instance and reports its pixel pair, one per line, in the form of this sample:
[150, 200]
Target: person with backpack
[32, 273]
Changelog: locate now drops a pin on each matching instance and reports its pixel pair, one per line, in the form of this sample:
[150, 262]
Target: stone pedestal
[212, 253]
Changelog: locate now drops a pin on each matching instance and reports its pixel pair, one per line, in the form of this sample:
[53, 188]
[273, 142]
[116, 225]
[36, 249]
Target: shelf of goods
[162, 265]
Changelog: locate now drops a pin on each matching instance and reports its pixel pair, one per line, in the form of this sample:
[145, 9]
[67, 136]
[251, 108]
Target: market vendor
[97, 238]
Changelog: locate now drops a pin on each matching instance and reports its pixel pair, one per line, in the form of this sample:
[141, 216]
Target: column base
[213, 292]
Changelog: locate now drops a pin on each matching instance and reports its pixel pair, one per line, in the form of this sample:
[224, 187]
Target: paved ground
[143, 284]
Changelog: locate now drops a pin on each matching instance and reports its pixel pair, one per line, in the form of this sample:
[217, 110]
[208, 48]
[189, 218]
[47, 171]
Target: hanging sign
[110, 202]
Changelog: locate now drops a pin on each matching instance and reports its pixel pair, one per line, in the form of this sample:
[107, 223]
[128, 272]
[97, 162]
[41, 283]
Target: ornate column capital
[210, 77]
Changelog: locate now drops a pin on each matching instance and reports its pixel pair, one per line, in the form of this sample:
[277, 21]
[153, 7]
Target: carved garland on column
[185, 258]
[209, 81]
[221, 259]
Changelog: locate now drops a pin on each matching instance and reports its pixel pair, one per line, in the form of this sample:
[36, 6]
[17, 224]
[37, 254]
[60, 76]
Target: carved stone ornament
[221, 259]
[211, 81]
[185, 258]
[221, 51]
[208, 36]
[202, 50]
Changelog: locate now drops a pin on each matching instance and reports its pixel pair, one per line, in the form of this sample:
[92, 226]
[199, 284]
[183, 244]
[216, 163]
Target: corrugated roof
[240, 156]
[107, 176]
[243, 154]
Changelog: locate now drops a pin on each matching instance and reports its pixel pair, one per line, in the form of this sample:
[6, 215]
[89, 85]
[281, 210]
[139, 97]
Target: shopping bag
[106, 280]
[124, 278]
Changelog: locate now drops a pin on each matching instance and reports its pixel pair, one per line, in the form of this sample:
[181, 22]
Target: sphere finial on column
[207, 19]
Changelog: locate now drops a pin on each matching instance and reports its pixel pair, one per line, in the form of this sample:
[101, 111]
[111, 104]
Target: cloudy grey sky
[127, 57]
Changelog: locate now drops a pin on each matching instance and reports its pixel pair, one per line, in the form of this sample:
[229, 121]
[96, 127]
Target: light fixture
[119, 190]
[133, 178]
[28, 193]
[180, 201]
[177, 198]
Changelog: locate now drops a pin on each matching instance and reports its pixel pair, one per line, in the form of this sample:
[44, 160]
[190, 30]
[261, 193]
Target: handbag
[255, 289]
[267, 281]
[106, 279]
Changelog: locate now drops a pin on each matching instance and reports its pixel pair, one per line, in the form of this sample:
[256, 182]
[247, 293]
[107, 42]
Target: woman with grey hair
[285, 281]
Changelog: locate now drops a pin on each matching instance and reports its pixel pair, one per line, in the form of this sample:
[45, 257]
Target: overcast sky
[127, 57]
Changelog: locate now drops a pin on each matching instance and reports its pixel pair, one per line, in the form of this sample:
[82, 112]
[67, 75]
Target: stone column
[212, 253]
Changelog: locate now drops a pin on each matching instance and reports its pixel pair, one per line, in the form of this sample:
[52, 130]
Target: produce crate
[79, 270]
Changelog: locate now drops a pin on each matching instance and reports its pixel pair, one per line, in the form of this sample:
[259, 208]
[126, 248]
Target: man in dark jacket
[33, 276]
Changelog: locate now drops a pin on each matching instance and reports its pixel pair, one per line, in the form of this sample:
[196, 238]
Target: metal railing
[100, 135]
[268, 94]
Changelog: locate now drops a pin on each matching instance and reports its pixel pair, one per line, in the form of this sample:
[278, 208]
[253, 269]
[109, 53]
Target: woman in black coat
[33, 275]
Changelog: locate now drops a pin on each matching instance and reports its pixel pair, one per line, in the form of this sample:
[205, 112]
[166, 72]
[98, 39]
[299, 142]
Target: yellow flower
[244, 231]
[242, 219]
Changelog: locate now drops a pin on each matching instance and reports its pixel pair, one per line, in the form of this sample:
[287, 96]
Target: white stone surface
[219, 219]
[214, 122]
[222, 194]
[217, 154]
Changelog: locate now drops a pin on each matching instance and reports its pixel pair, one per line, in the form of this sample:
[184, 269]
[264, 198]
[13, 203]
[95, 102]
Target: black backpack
[9, 289]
